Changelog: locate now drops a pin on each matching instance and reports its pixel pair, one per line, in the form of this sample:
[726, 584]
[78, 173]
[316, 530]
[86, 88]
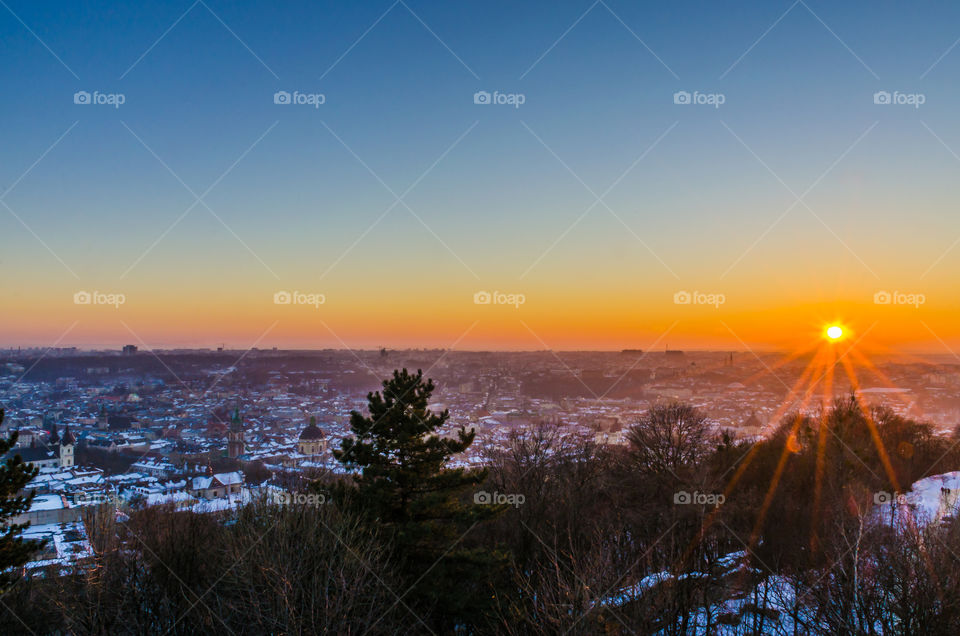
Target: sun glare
[834, 332]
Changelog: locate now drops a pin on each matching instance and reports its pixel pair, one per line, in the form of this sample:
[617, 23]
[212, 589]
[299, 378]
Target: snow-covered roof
[47, 502]
[220, 479]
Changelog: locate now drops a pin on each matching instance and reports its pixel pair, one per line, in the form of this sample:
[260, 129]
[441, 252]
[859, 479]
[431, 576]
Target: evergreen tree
[422, 505]
[14, 475]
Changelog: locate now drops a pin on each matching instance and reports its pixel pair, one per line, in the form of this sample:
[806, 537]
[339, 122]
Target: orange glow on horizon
[400, 320]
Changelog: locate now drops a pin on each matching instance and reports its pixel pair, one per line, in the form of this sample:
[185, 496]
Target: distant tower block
[235, 442]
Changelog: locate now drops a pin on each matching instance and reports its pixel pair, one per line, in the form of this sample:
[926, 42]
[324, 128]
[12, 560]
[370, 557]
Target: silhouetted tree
[406, 485]
[14, 476]
[670, 438]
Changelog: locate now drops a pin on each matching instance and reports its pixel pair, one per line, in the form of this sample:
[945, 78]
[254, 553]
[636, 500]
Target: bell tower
[235, 442]
[66, 449]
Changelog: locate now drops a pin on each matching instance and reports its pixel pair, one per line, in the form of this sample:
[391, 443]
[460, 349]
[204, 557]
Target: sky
[539, 155]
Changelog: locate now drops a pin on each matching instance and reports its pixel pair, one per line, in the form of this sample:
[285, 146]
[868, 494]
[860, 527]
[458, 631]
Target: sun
[834, 332]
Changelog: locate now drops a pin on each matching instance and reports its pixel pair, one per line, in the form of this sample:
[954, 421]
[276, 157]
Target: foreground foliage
[14, 476]
[605, 539]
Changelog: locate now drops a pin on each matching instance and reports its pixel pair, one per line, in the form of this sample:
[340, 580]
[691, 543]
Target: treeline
[555, 535]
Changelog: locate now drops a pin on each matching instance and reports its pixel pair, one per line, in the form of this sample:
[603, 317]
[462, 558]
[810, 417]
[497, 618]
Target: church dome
[312, 432]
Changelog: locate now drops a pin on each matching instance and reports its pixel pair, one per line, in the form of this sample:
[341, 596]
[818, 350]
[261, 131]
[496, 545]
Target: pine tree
[405, 485]
[14, 476]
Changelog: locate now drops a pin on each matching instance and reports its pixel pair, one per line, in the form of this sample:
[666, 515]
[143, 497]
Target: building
[67, 443]
[154, 467]
[129, 350]
[56, 453]
[52, 508]
[217, 486]
[312, 441]
[39, 456]
[235, 441]
[26, 437]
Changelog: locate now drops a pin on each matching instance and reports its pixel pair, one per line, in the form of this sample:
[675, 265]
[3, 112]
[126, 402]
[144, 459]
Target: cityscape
[476, 318]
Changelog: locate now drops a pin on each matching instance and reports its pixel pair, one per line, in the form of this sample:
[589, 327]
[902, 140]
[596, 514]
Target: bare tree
[670, 438]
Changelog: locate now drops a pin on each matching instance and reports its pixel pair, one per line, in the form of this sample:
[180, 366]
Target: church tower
[66, 449]
[235, 442]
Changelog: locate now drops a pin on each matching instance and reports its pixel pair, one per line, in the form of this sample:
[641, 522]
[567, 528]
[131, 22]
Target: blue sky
[598, 81]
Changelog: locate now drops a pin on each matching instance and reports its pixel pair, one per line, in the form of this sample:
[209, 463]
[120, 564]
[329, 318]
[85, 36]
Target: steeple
[66, 448]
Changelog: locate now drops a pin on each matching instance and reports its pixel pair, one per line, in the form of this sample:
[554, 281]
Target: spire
[236, 423]
[67, 438]
[54, 438]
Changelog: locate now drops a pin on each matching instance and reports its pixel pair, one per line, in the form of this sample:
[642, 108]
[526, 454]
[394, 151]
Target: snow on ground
[929, 500]
[633, 592]
[235, 500]
[67, 543]
[178, 498]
